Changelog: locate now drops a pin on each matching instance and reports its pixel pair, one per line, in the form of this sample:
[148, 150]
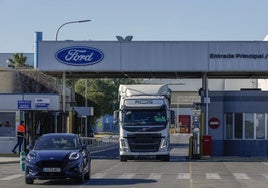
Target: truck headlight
[164, 146]
[124, 144]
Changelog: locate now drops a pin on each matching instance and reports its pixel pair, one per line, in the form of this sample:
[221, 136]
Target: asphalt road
[108, 171]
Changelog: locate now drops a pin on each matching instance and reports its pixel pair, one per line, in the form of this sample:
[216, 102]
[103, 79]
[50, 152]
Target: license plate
[51, 169]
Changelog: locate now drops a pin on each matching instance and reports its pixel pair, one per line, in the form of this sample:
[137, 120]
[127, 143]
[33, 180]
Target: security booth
[80, 123]
[238, 123]
[40, 113]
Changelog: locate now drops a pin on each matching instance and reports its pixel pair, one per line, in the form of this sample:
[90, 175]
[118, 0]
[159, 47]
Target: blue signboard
[42, 103]
[24, 105]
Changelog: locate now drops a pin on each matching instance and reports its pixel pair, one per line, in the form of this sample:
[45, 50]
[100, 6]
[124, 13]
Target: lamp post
[79, 21]
[64, 73]
[86, 104]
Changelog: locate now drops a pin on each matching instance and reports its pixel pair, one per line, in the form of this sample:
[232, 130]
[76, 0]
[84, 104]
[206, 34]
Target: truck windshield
[144, 117]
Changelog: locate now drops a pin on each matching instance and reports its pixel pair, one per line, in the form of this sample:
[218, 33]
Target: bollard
[190, 150]
[22, 160]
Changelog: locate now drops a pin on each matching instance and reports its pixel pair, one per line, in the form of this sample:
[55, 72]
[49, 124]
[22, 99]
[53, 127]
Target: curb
[9, 162]
[230, 159]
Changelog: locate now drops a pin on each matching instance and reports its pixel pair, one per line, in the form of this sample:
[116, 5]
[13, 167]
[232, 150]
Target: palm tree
[18, 61]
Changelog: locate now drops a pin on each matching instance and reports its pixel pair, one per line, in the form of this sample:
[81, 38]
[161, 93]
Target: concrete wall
[8, 82]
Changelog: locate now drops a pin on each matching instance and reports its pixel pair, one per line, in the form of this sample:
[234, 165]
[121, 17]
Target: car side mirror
[84, 147]
[29, 147]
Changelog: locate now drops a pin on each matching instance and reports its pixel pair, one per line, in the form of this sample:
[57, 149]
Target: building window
[238, 126]
[7, 124]
[229, 125]
[266, 136]
[246, 126]
[249, 126]
[260, 126]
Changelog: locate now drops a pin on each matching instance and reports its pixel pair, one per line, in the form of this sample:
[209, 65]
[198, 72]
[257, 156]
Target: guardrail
[97, 144]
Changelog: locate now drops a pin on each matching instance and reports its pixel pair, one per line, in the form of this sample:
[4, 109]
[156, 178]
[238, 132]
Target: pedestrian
[20, 136]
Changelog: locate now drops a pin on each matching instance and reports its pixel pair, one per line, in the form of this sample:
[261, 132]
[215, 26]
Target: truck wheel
[165, 158]
[123, 158]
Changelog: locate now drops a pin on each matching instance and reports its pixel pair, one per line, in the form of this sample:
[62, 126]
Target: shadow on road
[97, 181]
[120, 181]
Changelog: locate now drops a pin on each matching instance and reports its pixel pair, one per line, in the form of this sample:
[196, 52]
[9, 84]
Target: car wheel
[87, 176]
[81, 179]
[29, 180]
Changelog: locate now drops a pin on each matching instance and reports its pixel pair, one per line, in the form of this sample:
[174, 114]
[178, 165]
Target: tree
[102, 94]
[18, 61]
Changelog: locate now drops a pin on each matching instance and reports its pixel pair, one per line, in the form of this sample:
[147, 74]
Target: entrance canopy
[153, 59]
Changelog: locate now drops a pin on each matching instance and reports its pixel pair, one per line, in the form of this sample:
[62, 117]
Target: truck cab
[144, 118]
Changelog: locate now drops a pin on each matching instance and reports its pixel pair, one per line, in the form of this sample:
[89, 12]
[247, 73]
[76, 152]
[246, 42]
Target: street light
[79, 21]
[64, 73]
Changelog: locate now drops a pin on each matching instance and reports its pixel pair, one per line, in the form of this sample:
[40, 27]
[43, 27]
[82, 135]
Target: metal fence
[97, 144]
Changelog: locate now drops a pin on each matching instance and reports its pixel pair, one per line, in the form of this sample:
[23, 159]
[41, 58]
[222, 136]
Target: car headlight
[31, 156]
[74, 156]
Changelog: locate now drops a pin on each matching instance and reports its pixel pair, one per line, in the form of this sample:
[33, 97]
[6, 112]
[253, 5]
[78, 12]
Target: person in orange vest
[20, 136]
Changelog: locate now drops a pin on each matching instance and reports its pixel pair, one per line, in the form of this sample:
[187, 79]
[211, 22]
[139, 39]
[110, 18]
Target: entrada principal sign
[238, 56]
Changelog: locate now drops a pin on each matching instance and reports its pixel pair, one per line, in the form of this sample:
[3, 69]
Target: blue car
[58, 156]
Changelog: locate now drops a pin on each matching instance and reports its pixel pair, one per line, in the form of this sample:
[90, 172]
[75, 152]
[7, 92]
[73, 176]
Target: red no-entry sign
[214, 123]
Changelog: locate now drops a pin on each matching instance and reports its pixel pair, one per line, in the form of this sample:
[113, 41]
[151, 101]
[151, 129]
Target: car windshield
[57, 143]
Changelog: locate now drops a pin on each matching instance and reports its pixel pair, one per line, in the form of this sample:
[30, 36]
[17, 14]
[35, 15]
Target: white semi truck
[144, 117]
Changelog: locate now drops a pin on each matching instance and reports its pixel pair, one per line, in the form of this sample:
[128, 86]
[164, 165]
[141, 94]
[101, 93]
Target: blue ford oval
[79, 55]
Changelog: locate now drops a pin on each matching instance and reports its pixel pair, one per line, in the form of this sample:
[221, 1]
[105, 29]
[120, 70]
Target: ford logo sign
[79, 55]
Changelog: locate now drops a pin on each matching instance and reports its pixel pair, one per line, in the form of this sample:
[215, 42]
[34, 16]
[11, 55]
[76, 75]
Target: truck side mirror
[116, 117]
[172, 117]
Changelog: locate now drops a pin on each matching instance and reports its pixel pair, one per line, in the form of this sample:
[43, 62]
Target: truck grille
[144, 142]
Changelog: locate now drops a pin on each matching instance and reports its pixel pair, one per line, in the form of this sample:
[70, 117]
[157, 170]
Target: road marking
[110, 169]
[266, 164]
[184, 176]
[99, 175]
[214, 176]
[155, 176]
[191, 179]
[241, 176]
[158, 176]
[127, 175]
[12, 177]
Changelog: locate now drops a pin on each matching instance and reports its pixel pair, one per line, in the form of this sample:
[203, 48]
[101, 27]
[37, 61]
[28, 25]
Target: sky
[145, 20]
